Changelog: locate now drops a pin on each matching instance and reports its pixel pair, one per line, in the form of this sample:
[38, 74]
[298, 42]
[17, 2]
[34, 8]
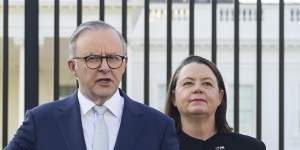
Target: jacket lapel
[69, 121]
[130, 128]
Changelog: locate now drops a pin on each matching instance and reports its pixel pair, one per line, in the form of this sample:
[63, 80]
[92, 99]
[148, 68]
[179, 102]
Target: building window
[292, 15]
[298, 15]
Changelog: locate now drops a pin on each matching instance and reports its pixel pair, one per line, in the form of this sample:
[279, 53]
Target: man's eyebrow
[113, 53]
[91, 53]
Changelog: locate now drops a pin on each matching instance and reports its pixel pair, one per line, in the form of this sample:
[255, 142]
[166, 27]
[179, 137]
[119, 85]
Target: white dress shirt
[112, 118]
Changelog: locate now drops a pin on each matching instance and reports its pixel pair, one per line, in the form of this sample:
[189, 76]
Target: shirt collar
[115, 104]
[85, 103]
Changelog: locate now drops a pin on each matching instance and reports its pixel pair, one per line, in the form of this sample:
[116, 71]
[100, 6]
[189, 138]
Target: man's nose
[104, 66]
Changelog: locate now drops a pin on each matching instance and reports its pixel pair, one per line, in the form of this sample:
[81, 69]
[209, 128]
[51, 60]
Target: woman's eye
[207, 84]
[187, 83]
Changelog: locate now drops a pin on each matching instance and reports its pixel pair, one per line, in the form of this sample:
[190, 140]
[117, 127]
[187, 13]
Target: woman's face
[197, 91]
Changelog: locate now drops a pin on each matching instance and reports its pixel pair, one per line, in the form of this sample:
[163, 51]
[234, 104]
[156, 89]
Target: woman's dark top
[220, 141]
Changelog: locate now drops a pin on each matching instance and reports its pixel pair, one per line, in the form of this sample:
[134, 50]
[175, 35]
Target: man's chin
[105, 93]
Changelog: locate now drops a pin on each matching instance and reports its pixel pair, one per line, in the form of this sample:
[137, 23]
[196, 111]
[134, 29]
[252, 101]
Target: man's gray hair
[88, 26]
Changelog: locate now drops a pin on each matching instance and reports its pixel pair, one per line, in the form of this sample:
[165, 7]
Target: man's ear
[126, 61]
[72, 67]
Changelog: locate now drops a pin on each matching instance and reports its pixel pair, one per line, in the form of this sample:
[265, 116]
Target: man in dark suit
[98, 58]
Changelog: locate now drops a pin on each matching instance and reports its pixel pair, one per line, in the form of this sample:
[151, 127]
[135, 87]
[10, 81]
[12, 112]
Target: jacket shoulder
[150, 115]
[247, 142]
[51, 107]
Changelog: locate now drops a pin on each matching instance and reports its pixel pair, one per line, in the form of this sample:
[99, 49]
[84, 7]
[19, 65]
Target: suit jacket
[220, 141]
[57, 126]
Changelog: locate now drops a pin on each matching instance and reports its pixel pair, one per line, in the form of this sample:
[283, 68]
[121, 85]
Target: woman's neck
[200, 127]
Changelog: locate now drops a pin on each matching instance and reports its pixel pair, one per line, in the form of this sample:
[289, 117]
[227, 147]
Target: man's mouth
[104, 80]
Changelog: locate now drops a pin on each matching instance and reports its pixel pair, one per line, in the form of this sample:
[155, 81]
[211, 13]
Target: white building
[180, 28]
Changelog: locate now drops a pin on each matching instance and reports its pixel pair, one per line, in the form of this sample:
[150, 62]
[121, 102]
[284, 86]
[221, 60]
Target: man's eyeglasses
[95, 61]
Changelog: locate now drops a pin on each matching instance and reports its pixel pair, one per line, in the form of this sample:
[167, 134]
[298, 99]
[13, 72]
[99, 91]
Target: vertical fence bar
[5, 75]
[169, 40]
[79, 20]
[124, 33]
[281, 75]
[191, 33]
[31, 53]
[236, 66]
[56, 51]
[214, 31]
[146, 54]
[79, 12]
[102, 10]
[258, 70]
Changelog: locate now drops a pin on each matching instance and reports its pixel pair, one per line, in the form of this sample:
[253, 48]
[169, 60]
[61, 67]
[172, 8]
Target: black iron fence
[32, 54]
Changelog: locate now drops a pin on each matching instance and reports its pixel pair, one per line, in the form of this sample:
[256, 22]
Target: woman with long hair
[197, 101]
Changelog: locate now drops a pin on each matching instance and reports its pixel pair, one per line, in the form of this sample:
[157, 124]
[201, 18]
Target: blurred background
[255, 44]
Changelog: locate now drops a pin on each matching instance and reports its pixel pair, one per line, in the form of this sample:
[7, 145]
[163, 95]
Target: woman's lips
[198, 100]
